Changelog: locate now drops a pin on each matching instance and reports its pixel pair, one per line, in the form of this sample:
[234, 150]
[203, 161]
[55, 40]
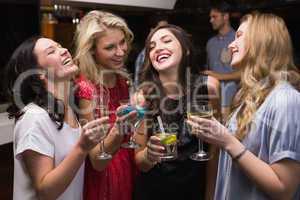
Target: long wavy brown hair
[187, 64]
[268, 60]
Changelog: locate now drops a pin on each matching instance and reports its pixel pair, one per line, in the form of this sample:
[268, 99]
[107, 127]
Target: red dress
[115, 182]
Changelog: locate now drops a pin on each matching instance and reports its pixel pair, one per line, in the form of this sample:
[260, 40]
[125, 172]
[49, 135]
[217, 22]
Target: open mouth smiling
[162, 57]
[67, 61]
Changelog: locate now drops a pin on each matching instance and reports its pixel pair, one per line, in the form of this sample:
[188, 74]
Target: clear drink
[203, 110]
[202, 114]
[169, 141]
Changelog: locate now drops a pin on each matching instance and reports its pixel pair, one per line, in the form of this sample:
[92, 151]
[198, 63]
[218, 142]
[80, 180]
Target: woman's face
[237, 47]
[165, 50]
[111, 49]
[55, 59]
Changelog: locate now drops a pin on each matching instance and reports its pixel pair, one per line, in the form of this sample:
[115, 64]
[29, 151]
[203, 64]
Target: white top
[37, 132]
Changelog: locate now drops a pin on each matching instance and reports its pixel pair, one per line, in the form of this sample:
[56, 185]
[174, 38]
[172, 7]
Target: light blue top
[214, 48]
[274, 135]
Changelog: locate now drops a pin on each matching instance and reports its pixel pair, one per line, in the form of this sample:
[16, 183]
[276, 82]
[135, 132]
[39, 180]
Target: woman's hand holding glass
[154, 150]
[211, 131]
[92, 132]
[124, 120]
[200, 109]
[125, 110]
[101, 110]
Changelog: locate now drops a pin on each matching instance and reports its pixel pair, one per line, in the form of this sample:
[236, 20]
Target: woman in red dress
[102, 45]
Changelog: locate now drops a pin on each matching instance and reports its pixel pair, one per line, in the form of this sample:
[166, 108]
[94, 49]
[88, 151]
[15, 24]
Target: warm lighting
[160, 4]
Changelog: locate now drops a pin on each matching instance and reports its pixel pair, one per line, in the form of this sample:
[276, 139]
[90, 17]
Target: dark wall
[19, 20]
[6, 171]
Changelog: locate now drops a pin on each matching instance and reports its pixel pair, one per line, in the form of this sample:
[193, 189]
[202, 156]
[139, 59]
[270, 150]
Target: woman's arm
[50, 181]
[148, 154]
[113, 140]
[232, 76]
[279, 180]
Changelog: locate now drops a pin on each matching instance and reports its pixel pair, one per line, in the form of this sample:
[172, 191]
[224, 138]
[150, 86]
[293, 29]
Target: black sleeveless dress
[182, 178]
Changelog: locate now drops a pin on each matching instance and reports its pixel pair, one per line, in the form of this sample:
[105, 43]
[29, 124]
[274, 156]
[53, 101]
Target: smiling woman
[263, 134]
[171, 53]
[111, 49]
[171, 69]
[103, 42]
[54, 59]
[49, 146]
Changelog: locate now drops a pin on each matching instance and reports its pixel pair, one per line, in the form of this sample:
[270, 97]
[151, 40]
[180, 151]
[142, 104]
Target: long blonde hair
[268, 60]
[92, 26]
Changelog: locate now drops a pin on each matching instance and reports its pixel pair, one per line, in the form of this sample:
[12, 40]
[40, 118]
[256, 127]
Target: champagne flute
[101, 110]
[204, 110]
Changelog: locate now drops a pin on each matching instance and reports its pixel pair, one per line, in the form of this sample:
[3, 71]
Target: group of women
[56, 135]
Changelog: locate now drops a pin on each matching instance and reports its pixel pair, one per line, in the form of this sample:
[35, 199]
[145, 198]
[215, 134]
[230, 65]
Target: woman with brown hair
[50, 147]
[169, 81]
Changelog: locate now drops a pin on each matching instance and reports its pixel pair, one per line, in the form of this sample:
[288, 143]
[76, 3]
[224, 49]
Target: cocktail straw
[161, 127]
[163, 132]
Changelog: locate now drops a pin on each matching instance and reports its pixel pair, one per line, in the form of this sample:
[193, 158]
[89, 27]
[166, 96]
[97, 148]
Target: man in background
[219, 56]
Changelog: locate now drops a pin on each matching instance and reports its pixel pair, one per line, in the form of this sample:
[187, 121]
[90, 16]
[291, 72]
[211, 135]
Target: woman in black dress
[169, 80]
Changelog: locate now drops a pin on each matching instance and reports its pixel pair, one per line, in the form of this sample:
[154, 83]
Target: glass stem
[102, 146]
[200, 146]
[135, 127]
[131, 140]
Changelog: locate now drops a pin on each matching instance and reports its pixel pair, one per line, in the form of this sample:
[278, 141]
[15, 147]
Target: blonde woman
[261, 151]
[102, 44]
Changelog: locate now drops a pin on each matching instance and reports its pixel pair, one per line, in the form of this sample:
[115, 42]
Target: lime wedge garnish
[168, 139]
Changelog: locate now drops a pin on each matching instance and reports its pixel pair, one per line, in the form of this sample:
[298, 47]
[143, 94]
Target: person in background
[260, 157]
[218, 55]
[168, 72]
[102, 44]
[49, 145]
[141, 56]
